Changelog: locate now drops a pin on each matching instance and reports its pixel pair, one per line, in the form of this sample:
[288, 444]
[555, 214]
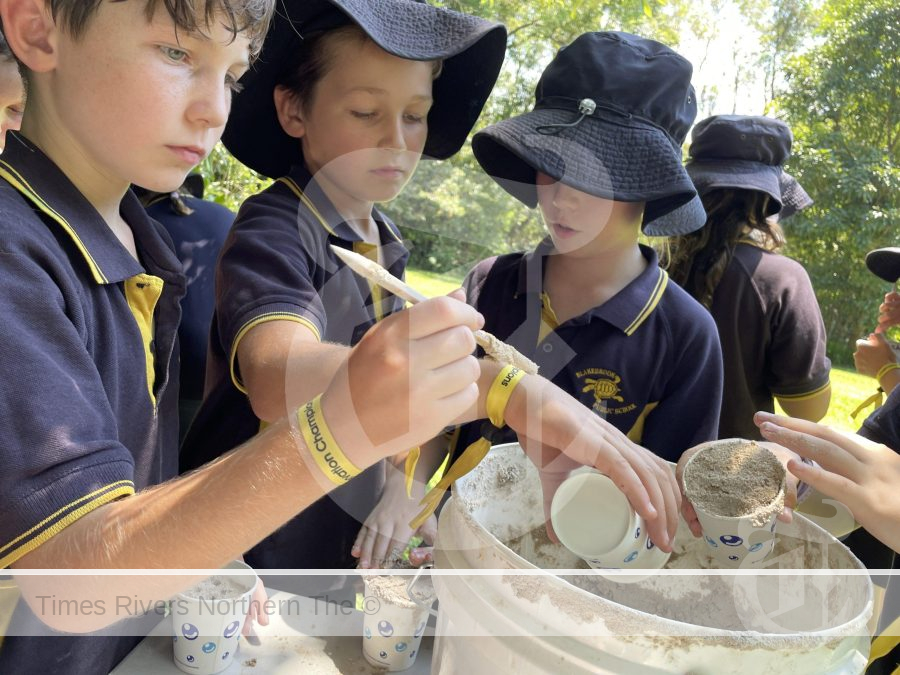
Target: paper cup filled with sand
[208, 617]
[737, 489]
[593, 519]
[396, 611]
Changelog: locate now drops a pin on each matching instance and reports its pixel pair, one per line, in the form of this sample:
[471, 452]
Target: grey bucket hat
[472, 50]
[793, 197]
[611, 112]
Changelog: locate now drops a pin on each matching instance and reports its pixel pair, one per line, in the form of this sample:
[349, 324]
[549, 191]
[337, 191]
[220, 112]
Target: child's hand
[871, 354]
[889, 312]
[790, 490]
[386, 533]
[859, 473]
[560, 434]
[254, 613]
[408, 378]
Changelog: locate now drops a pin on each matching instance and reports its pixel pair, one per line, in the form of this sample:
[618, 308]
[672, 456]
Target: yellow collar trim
[15, 179]
[652, 302]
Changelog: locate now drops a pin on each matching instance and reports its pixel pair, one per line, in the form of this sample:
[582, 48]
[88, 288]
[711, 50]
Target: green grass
[848, 388]
[432, 283]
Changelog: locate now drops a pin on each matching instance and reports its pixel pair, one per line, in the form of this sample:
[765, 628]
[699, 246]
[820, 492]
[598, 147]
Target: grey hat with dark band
[472, 50]
[611, 112]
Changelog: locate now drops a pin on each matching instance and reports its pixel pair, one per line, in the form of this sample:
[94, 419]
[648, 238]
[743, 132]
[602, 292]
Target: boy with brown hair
[139, 92]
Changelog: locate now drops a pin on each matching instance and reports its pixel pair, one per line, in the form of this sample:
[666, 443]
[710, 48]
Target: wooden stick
[371, 270]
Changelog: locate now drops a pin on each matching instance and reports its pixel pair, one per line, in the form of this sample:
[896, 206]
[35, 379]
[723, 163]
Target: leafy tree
[842, 100]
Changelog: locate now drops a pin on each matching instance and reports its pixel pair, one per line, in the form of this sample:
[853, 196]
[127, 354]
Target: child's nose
[393, 137]
[211, 105]
[564, 197]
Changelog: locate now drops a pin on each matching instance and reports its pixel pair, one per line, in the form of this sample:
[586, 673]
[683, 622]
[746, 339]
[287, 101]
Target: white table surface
[288, 645]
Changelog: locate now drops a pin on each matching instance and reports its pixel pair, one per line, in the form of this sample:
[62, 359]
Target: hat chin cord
[586, 106]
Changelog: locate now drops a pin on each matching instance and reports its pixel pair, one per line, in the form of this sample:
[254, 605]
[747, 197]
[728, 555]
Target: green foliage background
[830, 68]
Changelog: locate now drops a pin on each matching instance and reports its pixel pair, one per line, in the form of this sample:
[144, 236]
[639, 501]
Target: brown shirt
[772, 334]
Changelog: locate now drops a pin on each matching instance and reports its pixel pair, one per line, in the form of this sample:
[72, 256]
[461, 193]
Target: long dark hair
[697, 261]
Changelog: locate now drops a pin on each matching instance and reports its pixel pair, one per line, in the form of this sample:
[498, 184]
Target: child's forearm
[199, 521]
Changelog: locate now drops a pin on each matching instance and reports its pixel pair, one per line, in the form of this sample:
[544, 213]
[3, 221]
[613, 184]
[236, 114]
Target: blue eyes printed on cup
[189, 631]
[209, 647]
[731, 540]
[734, 557]
[231, 629]
[189, 658]
[756, 547]
[368, 633]
[712, 542]
[400, 646]
[419, 630]
[631, 556]
[385, 629]
[637, 533]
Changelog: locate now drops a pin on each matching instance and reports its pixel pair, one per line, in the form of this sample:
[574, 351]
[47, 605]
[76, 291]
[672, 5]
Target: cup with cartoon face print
[737, 489]
[208, 617]
[396, 612]
[594, 520]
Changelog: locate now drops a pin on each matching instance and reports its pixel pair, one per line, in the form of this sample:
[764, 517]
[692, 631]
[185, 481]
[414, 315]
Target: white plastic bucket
[794, 624]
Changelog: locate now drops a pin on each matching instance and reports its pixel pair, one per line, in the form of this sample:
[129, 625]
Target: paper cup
[736, 541]
[394, 620]
[594, 520]
[206, 630]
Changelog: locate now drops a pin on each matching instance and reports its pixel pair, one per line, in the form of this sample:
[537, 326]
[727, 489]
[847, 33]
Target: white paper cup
[394, 622]
[206, 631]
[738, 541]
[594, 520]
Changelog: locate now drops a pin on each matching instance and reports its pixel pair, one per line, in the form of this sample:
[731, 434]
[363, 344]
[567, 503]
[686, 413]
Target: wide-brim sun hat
[885, 263]
[611, 112]
[472, 50]
[740, 152]
[793, 197]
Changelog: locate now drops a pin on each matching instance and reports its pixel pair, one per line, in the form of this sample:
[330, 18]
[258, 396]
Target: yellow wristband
[500, 391]
[321, 444]
[885, 369]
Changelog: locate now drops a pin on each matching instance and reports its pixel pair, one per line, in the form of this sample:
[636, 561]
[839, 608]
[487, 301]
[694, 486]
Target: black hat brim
[472, 50]
[734, 174]
[793, 197]
[610, 157]
[885, 263]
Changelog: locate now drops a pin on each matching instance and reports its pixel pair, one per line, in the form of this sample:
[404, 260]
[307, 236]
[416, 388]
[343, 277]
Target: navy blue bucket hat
[611, 112]
[472, 50]
[740, 152]
[793, 197]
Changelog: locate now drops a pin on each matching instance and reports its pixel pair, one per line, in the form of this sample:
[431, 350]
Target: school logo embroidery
[604, 388]
[604, 385]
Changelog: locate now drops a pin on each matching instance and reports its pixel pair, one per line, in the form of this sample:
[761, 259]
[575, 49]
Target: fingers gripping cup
[594, 520]
[207, 620]
[737, 489]
[396, 611]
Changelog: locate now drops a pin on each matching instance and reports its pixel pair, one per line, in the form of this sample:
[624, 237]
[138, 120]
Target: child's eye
[232, 83]
[415, 119]
[362, 115]
[173, 53]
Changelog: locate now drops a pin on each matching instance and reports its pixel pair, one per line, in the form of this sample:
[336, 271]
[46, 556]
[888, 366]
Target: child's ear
[290, 112]
[30, 32]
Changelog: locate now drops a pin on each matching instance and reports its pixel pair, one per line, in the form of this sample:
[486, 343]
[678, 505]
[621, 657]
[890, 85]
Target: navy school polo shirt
[88, 353]
[277, 266]
[773, 337]
[647, 360]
